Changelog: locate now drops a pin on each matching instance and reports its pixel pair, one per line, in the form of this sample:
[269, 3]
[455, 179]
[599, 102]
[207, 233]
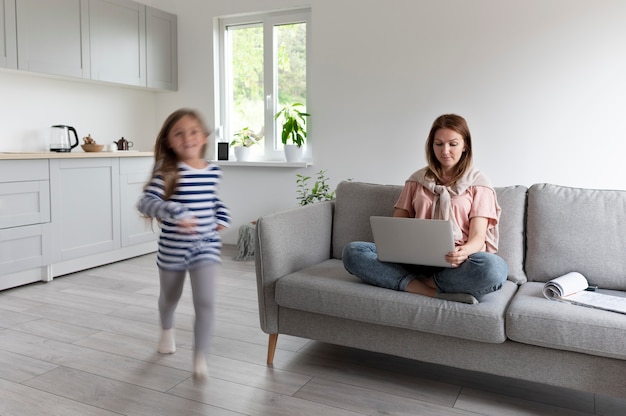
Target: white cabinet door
[24, 193]
[23, 248]
[117, 35]
[24, 203]
[24, 218]
[134, 173]
[161, 49]
[85, 206]
[53, 37]
[8, 35]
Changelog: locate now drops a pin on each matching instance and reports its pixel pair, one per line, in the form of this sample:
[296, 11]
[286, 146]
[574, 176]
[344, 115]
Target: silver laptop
[412, 240]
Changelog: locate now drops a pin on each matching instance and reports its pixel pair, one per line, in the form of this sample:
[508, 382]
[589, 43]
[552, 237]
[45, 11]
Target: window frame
[272, 150]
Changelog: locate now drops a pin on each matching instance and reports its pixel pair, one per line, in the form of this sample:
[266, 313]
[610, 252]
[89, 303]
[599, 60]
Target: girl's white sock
[167, 344]
[200, 368]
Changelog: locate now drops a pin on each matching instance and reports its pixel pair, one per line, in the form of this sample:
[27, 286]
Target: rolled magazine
[570, 288]
[568, 284]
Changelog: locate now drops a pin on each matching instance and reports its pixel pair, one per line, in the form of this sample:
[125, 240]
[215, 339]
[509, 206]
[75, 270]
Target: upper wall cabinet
[51, 37]
[8, 42]
[162, 49]
[117, 41]
[117, 31]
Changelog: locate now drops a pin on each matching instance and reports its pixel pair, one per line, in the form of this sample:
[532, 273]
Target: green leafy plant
[320, 191]
[294, 124]
[245, 137]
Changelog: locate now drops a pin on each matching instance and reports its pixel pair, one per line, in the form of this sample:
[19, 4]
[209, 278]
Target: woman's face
[448, 146]
[187, 139]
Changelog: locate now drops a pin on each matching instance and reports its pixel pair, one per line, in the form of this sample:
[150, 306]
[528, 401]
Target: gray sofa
[545, 231]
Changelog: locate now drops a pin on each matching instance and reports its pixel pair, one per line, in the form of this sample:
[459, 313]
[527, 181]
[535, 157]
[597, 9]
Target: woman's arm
[399, 212]
[474, 244]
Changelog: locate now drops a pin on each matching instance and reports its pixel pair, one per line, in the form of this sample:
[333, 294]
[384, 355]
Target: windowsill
[264, 164]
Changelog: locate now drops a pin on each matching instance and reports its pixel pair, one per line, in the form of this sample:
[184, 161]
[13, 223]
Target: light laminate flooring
[85, 344]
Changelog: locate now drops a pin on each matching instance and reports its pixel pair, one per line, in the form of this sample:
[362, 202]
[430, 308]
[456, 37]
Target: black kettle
[60, 140]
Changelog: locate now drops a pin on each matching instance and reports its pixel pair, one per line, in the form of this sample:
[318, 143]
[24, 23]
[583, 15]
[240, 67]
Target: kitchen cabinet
[161, 49]
[117, 41]
[135, 229]
[85, 213]
[117, 36]
[24, 220]
[8, 35]
[62, 213]
[53, 37]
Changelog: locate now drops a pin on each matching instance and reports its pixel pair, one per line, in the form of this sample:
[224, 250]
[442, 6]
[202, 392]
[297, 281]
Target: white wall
[540, 82]
[30, 104]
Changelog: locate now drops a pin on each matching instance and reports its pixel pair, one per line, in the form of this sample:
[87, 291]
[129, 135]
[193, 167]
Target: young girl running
[182, 195]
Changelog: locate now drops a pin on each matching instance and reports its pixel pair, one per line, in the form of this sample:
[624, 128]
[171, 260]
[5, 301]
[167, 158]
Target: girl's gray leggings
[202, 279]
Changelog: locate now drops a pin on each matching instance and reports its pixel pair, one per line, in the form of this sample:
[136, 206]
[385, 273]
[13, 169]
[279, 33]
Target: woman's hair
[165, 160]
[459, 125]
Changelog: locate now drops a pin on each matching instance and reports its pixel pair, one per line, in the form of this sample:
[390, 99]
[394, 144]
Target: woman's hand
[458, 256]
[474, 244]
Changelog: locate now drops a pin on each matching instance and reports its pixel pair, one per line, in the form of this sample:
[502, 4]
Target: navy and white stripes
[195, 196]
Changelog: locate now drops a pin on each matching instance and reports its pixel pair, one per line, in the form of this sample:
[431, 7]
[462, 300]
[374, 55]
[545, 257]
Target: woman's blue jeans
[480, 274]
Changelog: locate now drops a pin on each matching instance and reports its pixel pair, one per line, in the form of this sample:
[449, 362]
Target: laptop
[412, 240]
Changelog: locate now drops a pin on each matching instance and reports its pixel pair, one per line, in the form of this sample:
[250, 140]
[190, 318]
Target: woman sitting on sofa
[449, 188]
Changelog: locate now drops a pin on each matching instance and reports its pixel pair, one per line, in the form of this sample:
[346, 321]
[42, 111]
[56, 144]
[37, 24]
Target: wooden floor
[85, 344]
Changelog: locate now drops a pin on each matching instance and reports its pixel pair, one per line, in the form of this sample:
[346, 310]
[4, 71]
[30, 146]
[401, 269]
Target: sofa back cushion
[512, 200]
[575, 229]
[357, 201]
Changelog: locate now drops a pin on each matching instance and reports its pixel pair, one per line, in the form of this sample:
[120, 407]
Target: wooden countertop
[71, 155]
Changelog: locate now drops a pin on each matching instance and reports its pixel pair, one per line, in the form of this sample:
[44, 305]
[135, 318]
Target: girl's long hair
[165, 160]
[459, 125]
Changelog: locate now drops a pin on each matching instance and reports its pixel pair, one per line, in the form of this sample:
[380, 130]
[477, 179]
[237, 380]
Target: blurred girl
[182, 196]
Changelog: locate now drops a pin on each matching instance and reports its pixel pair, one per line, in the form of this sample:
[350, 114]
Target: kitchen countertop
[71, 155]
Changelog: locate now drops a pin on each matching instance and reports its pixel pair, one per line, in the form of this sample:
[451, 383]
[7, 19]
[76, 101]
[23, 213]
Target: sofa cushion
[573, 229]
[512, 200]
[357, 201]
[328, 289]
[533, 319]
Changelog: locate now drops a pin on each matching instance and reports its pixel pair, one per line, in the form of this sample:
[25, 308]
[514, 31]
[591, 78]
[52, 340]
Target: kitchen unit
[61, 213]
[115, 41]
[8, 35]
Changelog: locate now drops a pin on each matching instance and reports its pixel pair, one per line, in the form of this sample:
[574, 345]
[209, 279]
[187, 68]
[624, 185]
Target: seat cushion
[328, 289]
[533, 319]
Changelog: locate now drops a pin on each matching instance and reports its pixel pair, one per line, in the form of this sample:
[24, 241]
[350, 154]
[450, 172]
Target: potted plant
[294, 132]
[242, 141]
[320, 191]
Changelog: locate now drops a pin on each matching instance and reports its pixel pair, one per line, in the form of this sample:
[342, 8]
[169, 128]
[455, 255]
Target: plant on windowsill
[293, 134]
[242, 141]
[320, 191]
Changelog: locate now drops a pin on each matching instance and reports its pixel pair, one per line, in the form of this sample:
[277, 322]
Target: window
[262, 67]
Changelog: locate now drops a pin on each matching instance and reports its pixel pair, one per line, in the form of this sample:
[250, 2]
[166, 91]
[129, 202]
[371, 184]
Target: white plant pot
[242, 154]
[293, 153]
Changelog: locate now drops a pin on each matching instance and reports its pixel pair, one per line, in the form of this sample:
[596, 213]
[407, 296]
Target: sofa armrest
[286, 242]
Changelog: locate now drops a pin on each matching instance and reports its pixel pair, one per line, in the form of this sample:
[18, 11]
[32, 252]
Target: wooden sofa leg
[271, 348]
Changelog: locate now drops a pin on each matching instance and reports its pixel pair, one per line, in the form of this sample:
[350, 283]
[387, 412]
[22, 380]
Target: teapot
[123, 144]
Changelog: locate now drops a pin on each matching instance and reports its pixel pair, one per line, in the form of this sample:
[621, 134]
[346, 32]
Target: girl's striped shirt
[195, 196]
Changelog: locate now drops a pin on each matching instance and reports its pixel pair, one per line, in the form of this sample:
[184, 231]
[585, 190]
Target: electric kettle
[60, 140]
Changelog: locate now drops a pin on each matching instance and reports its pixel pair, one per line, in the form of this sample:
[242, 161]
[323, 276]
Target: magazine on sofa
[571, 288]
